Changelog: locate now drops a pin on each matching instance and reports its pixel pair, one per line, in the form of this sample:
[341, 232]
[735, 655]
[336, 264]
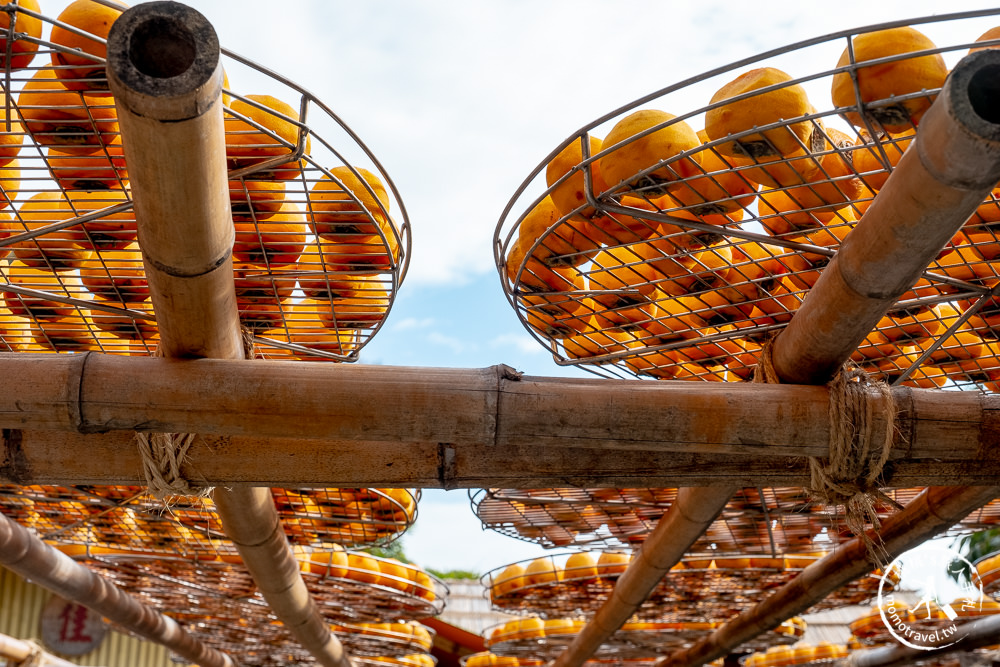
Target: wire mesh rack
[216, 599]
[129, 517]
[814, 655]
[695, 590]
[927, 617]
[534, 638]
[321, 237]
[766, 521]
[673, 236]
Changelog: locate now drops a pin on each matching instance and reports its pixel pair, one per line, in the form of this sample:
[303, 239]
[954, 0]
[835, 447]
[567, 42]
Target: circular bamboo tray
[128, 517]
[684, 268]
[755, 521]
[697, 588]
[322, 239]
[547, 639]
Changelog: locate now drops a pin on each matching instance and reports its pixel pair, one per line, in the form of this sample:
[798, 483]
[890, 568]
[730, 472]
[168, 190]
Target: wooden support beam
[933, 511]
[56, 457]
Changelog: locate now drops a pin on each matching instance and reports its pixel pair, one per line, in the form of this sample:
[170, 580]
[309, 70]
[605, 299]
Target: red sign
[70, 628]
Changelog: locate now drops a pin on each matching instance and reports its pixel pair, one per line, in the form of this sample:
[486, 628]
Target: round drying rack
[216, 599]
[314, 280]
[697, 589]
[128, 517]
[633, 641]
[763, 521]
[686, 267]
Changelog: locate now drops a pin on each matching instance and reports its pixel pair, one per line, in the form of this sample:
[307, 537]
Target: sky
[460, 100]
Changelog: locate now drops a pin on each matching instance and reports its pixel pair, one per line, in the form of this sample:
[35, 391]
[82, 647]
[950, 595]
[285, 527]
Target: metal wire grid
[631, 642]
[217, 600]
[687, 280]
[701, 589]
[385, 639]
[319, 251]
[772, 521]
[128, 517]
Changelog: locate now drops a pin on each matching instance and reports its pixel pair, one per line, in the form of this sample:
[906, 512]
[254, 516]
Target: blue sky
[459, 100]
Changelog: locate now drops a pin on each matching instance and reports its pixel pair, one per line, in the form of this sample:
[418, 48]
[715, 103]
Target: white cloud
[456, 345]
[523, 343]
[410, 323]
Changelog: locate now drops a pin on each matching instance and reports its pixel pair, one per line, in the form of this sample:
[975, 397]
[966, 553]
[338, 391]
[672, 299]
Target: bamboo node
[35, 657]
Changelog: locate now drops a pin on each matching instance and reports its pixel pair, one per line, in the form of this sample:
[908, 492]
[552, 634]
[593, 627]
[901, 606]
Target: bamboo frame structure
[955, 165]
[28, 556]
[928, 514]
[165, 72]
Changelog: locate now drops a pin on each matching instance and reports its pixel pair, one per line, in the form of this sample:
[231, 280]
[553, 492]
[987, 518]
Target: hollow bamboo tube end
[164, 61]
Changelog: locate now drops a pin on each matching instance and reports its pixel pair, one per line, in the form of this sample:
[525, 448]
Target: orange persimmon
[79, 60]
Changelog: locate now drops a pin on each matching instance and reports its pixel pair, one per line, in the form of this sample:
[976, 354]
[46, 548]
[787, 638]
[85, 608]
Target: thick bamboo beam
[165, 72]
[55, 457]
[92, 392]
[974, 634]
[933, 511]
[689, 516]
[28, 556]
[953, 166]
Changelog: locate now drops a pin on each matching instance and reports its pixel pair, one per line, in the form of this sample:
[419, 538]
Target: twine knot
[852, 473]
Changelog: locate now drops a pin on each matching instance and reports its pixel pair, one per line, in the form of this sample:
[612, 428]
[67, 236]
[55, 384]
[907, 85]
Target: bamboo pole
[165, 72]
[30, 557]
[931, 512]
[690, 514]
[17, 651]
[974, 634]
[91, 392]
[952, 167]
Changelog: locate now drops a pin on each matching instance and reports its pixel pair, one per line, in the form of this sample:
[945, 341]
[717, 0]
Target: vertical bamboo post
[30, 557]
[18, 652]
[689, 516]
[165, 71]
[951, 168]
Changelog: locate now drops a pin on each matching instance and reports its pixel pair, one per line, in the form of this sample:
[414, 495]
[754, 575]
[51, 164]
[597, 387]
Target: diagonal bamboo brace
[165, 72]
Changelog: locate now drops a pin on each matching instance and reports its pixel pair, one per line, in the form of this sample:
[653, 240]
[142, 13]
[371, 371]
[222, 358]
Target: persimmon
[914, 323]
[719, 188]
[963, 345]
[685, 238]
[116, 275]
[619, 282]
[303, 325]
[542, 286]
[580, 565]
[880, 85]
[102, 169]
[71, 334]
[37, 306]
[57, 117]
[110, 230]
[368, 257]
[393, 574]
[10, 185]
[362, 311]
[991, 35]
[984, 368]
[631, 153]
[260, 128]
[666, 323]
[124, 326]
[261, 295]
[596, 343]
[716, 307]
[964, 263]
[508, 581]
[559, 242]
[363, 568]
[622, 228]
[318, 280]
[278, 240]
[554, 323]
[256, 199]
[349, 204]
[874, 160]
[718, 349]
[79, 60]
[570, 194]
[24, 48]
[55, 250]
[782, 100]
[612, 564]
[542, 570]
